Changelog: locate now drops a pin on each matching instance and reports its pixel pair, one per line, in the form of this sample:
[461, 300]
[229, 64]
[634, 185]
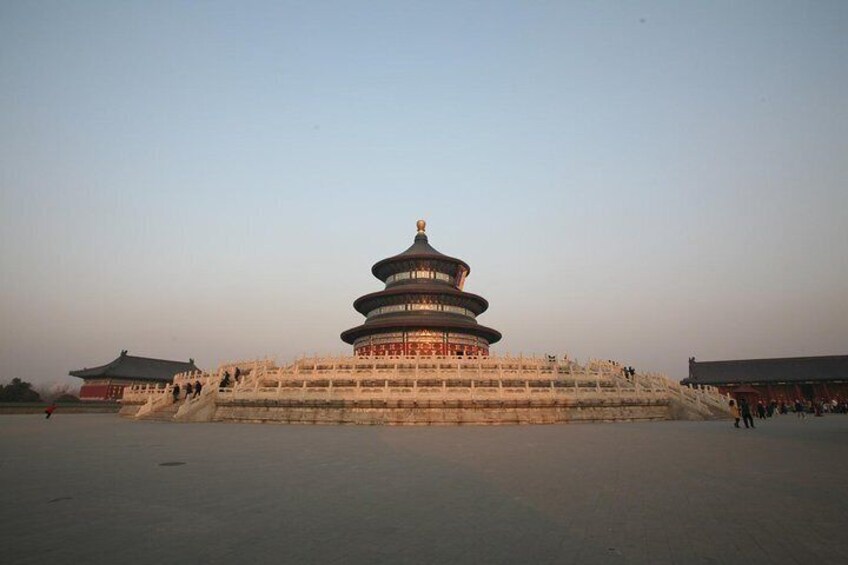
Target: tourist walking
[734, 410]
[188, 390]
[197, 387]
[176, 392]
[237, 374]
[745, 409]
[49, 410]
[225, 382]
[761, 410]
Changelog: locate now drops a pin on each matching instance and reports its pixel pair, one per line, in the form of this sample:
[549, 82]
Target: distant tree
[53, 392]
[67, 398]
[18, 391]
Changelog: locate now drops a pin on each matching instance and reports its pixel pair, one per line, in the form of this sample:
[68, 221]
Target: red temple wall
[110, 389]
[413, 348]
[790, 392]
[102, 392]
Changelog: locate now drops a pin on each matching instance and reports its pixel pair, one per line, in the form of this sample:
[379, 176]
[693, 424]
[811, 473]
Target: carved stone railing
[438, 393]
[143, 393]
[439, 378]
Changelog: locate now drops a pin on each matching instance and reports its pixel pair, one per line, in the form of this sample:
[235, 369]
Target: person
[49, 410]
[799, 409]
[745, 409]
[176, 392]
[761, 410]
[197, 387]
[225, 382]
[237, 374]
[734, 410]
[188, 391]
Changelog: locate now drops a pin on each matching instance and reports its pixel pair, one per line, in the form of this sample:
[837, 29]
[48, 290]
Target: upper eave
[420, 250]
[382, 270]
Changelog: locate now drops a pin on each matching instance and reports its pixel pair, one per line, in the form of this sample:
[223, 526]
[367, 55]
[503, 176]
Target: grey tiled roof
[132, 367]
[752, 371]
[420, 249]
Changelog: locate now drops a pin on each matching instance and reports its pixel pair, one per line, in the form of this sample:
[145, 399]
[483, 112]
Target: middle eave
[362, 303]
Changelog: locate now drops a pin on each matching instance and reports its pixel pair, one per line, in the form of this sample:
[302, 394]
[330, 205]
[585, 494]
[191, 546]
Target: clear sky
[642, 181]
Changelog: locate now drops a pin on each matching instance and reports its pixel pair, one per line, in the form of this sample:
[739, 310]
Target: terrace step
[165, 414]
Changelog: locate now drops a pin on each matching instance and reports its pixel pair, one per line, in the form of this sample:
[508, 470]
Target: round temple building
[423, 309]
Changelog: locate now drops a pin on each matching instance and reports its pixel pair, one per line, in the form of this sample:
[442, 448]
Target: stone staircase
[163, 414]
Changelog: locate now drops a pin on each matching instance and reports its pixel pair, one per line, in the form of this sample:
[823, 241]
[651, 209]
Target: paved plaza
[99, 489]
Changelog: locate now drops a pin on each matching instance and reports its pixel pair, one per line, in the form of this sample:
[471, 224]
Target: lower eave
[122, 378]
[402, 324]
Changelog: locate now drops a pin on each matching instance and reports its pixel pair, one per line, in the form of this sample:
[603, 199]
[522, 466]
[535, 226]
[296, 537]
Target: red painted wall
[422, 349]
[790, 392]
[102, 392]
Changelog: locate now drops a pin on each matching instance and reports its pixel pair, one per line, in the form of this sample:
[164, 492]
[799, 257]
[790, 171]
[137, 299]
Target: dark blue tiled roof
[752, 371]
[132, 367]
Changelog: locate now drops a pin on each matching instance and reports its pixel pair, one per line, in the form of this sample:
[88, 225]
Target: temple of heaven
[423, 310]
[421, 358]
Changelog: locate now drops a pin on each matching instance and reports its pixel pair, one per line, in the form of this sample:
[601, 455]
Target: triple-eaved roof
[830, 368]
[141, 368]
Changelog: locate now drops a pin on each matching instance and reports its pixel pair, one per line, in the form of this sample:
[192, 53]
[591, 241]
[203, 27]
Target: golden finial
[421, 225]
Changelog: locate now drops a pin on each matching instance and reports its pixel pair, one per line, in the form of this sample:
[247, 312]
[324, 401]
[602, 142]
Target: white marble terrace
[422, 379]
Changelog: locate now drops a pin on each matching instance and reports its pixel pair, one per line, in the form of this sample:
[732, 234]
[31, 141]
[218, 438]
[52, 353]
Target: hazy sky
[642, 181]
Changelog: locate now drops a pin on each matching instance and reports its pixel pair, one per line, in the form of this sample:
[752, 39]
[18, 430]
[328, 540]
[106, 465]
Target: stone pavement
[92, 489]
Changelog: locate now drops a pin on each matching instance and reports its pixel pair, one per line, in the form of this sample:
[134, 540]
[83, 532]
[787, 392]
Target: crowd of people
[744, 411]
[192, 390]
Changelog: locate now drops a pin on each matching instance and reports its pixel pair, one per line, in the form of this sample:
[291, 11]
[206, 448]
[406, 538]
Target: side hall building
[107, 382]
[786, 379]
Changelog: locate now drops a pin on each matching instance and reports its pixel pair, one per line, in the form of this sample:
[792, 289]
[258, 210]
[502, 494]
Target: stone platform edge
[61, 408]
